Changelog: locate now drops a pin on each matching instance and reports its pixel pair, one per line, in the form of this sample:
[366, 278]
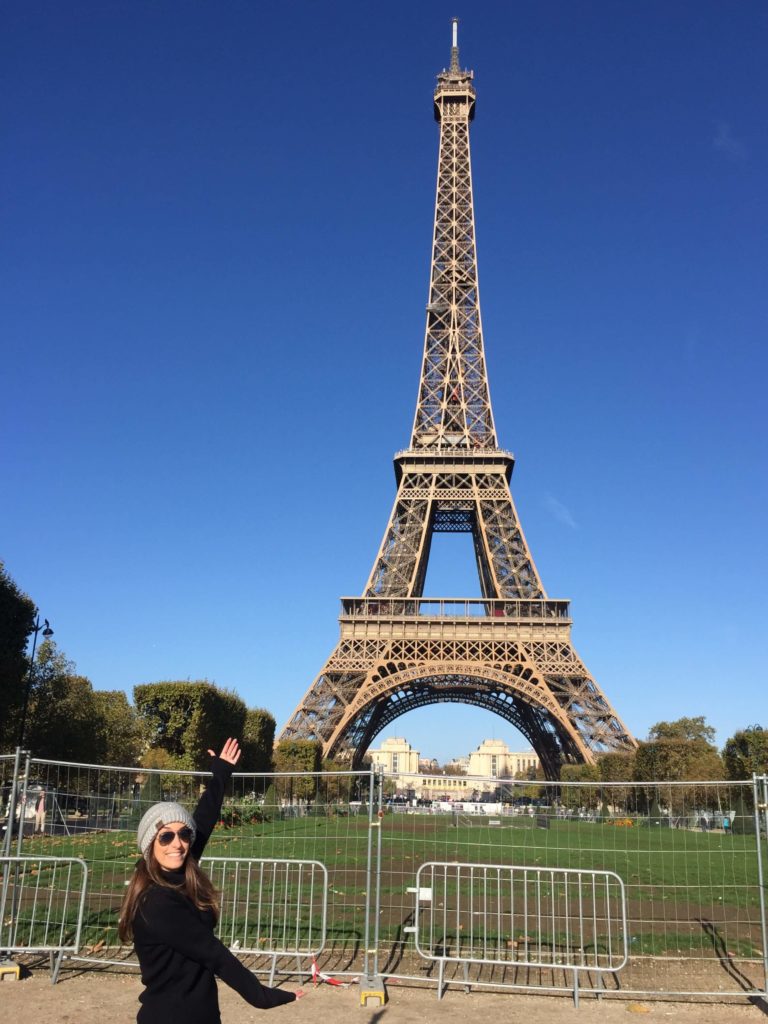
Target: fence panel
[687, 854]
[276, 908]
[42, 902]
[520, 916]
[93, 811]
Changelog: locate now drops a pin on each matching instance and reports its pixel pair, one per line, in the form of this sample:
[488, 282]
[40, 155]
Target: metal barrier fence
[692, 857]
[276, 908]
[92, 811]
[516, 916]
[42, 902]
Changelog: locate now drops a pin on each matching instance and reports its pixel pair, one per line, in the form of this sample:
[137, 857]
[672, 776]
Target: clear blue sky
[216, 224]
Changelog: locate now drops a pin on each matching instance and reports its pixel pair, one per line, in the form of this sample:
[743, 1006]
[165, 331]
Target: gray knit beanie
[156, 817]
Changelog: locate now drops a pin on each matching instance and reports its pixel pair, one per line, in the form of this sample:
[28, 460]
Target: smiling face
[172, 856]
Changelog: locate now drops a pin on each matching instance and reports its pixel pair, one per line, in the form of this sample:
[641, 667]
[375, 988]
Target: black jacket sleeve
[206, 814]
[170, 919]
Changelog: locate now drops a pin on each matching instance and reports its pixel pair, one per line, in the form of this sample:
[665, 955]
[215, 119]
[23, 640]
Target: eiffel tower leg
[323, 705]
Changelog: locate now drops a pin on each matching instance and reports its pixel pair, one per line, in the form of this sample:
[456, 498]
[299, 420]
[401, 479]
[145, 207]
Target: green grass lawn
[675, 879]
[644, 857]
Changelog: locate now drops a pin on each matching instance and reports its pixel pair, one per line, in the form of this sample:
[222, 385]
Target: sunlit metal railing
[455, 608]
[42, 901]
[520, 916]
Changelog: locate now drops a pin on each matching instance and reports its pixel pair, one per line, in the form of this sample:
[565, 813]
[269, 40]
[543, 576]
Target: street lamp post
[46, 630]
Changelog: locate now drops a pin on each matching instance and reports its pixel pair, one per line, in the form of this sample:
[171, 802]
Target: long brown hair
[197, 887]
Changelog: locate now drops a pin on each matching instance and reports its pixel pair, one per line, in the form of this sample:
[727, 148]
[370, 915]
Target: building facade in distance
[492, 760]
[396, 755]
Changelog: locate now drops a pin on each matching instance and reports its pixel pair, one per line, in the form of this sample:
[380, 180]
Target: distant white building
[525, 763]
[418, 777]
[396, 755]
[493, 759]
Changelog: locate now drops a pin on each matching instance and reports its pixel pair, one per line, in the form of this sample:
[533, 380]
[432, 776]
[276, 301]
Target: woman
[171, 908]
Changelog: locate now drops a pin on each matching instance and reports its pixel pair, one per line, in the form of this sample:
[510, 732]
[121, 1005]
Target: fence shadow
[728, 965]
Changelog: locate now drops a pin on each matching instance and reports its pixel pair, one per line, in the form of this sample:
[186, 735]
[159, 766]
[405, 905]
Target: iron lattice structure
[510, 651]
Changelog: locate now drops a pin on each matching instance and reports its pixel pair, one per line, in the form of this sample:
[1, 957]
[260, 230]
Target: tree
[677, 752]
[118, 730]
[17, 618]
[518, 790]
[746, 753]
[743, 816]
[580, 796]
[186, 718]
[689, 729]
[333, 788]
[257, 741]
[63, 718]
[271, 803]
[154, 785]
[298, 756]
[619, 768]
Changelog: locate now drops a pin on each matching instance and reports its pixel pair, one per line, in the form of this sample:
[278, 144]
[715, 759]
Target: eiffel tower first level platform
[510, 650]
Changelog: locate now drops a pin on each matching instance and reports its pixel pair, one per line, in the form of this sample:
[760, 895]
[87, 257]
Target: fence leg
[760, 797]
[272, 970]
[760, 800]
[55, 968]
[576, 988]
[372, 984]
[603, 986]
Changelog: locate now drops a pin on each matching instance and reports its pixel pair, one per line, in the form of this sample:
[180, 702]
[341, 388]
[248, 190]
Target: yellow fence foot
[372, 988]
[9, 969]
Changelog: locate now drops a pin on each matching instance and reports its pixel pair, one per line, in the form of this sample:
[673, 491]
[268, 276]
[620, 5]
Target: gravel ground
[92, 997]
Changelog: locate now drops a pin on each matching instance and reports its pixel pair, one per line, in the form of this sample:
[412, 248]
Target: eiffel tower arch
[510, 650]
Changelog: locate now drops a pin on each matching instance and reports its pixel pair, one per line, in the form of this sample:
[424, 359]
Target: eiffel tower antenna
[509, 651]
[455, 46]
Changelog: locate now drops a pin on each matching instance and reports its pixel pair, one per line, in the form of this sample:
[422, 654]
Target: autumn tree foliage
[679, 751]
[746, 753]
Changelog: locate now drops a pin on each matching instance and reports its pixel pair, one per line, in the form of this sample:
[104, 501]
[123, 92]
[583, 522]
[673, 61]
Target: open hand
[230, 752]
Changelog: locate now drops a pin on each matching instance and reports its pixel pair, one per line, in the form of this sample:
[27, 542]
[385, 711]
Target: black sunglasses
[166, 838]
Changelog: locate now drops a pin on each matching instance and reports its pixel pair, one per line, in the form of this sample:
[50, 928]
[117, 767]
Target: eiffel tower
[509, 651]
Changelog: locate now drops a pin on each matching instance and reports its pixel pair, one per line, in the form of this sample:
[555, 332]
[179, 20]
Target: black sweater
[177, 950]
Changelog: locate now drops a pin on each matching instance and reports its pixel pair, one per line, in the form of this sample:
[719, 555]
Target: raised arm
[206, 814]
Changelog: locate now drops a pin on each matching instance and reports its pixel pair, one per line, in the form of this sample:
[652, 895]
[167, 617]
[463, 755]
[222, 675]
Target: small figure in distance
[170, 910]
[40, 813]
